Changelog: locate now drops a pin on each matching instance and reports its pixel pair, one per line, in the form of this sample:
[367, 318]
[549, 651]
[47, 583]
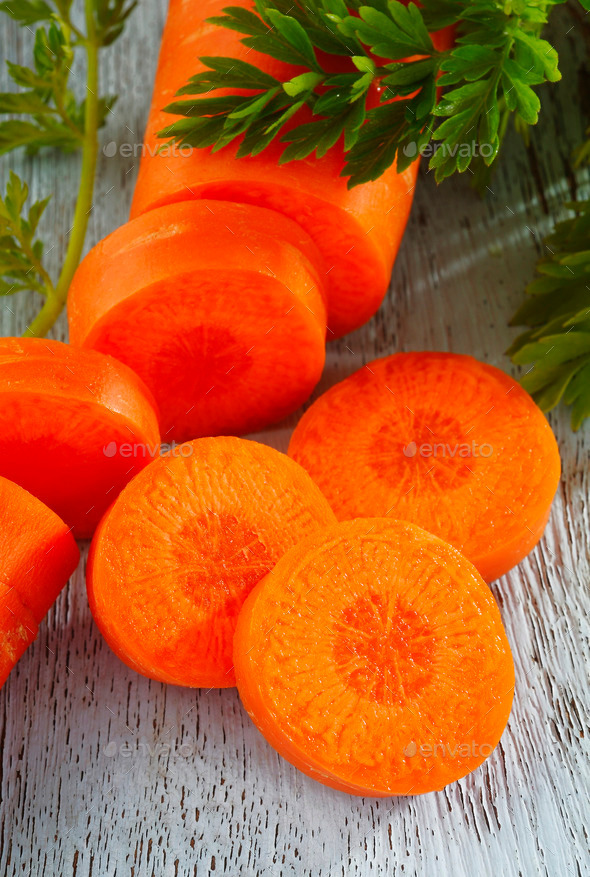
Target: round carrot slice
[217, 308]
[374, 659]
[452, 444]
[75, 426]
[358, 231]
[38, 554]
[173, 560]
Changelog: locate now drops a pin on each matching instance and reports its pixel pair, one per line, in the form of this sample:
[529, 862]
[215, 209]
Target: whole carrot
[358, 231]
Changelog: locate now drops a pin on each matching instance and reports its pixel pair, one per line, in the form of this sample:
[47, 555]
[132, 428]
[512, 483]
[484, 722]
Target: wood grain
[106, 773]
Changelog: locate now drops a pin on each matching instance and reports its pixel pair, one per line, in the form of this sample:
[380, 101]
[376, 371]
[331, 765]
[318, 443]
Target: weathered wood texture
[106, 773]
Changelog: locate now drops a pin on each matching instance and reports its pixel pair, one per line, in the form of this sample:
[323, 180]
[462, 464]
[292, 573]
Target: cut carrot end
[75, 426]
[444, 441]
[38, 554]
[374, 659]
[174, 558]
[217, 308]
[357, 231]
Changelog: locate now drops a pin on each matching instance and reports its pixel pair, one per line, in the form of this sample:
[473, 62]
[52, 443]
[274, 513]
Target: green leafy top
[557, 313]
[387, 52]
[55, 117]
[51, 116]
[21, 253]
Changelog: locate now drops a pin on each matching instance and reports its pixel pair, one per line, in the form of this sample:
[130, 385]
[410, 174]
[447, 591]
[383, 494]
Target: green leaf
[395, 35]
[290, 29]
[543, 52]
[519, 95]
[302, 83]
[15, 133]
[24, 102]
[403, 78]
[468, 63]
[377, 144]
[557, 312]
[110, 17]
[228, 73]
[20, 253]
[27, 12]
[241, 20]
[577, 394]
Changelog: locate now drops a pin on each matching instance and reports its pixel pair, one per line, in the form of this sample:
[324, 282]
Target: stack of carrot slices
[37, 556]
[358, 231]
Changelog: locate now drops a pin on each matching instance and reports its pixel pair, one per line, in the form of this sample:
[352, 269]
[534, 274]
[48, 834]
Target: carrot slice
[74, 426]
[358, 231]
[174, 558]
[216, 307]
[442, 440]
[374, 659]
[38, 554]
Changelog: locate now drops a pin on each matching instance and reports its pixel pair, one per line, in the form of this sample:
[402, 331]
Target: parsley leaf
[44, 112]
[557, 312]
[490, 74]
[21, 252]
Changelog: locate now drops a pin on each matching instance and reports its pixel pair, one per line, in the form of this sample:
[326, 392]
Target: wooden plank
[104, 772]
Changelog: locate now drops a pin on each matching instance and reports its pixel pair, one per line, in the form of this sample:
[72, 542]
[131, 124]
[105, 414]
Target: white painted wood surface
[106, 773]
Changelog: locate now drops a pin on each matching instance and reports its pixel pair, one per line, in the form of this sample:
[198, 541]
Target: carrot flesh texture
[37, 556]
[74, 426]
[217, 307]
[358, 231]
[452, 444]
[175, 557]
[374, 659]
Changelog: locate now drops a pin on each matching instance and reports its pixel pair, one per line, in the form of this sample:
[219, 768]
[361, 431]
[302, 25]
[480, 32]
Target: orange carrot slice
[217, 308]
[38, 554]
[358, 231]
[452, 444]
[374, 659]
[75, 426]
[173, 560]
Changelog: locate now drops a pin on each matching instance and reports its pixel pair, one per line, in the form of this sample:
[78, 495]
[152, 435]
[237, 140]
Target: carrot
[38, 554]
[358, 231]
[374, 659]
[215, 306]
[74, 426]
[449, 443]
[173, 560]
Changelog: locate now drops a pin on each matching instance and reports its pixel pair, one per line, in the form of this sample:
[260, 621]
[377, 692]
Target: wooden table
[106, 773]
